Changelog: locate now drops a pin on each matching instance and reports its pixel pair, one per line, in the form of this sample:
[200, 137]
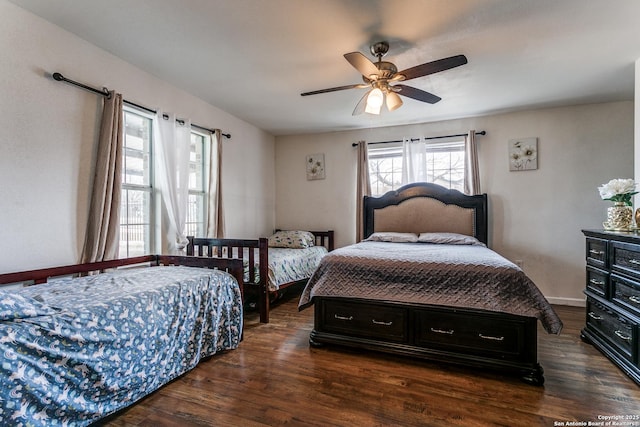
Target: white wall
[48, 133]
[535, 216]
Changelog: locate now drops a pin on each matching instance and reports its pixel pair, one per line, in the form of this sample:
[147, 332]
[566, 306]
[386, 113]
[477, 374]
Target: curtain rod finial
[57, 76]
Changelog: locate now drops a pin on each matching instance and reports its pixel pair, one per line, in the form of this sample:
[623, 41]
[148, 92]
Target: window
[385, 168]
[137, 191]
[138, 206]
[197, 186]
[444, 165]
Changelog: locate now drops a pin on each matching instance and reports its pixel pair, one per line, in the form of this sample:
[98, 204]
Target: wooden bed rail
[324, 238]
[234, 248]
[43, 274]
[232, 266]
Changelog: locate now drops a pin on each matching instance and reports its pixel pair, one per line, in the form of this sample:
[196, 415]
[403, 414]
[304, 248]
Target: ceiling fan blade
[393, 101]
[361, 105]
[433, 67]
[418, 94]
[334, 89]
[362, 64]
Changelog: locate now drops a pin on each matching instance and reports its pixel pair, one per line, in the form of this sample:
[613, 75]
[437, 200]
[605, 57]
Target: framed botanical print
[523, 154]
[315, 166]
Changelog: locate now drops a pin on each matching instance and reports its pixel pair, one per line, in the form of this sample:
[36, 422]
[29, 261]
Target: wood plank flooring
[275, 378]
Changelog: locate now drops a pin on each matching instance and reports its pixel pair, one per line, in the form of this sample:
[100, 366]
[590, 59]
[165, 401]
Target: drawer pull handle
[635, 299]
[594, 252]
[489, 337]
[593, 316]
[634, 261]
[442, 331]
[622, 336]
[343, 317]
[376, 322]
[596, 282]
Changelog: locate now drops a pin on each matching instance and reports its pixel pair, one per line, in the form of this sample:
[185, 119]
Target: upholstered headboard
[424, 207]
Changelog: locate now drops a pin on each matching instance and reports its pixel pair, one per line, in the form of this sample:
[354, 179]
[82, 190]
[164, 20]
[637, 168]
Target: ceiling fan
[379, 75]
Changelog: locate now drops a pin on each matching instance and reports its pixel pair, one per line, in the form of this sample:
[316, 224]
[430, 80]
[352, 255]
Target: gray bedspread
[470, 276]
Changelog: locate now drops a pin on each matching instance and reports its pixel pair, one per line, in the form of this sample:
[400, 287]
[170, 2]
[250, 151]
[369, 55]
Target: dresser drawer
[598, 281]
[612, 327]
[366, 320]
[625, 258]
[626, 294]
[472, 333]
[596, 253]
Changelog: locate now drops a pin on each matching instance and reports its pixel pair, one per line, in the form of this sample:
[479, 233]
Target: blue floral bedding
[76, 350]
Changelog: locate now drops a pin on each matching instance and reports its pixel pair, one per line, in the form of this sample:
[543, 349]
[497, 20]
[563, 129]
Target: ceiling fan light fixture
[393, 101]
[374, 101]
[380, 74]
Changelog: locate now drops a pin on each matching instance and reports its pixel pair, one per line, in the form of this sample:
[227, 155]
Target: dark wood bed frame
[471, 337]
[233, 248]
[33, 277]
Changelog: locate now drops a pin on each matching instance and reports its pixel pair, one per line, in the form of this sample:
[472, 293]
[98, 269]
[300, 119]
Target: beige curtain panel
[215, 211]
[103, 227]
[363, 186]
[471, 173]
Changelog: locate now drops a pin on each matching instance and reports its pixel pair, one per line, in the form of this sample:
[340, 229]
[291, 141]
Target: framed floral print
[523, 154]
[315, 166]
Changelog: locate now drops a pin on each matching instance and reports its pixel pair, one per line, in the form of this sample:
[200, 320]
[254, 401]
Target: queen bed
[77, 349]
[423, 283]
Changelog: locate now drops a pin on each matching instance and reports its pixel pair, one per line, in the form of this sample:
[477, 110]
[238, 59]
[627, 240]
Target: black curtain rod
[105, 92]
[482, 132]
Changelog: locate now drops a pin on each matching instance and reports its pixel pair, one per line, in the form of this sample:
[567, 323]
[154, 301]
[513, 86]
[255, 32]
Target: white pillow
[393, 237]
[449, 239]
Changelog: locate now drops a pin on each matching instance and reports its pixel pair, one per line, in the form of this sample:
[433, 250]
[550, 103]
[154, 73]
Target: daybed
[77, 349]
[446, 297]
[286, 258]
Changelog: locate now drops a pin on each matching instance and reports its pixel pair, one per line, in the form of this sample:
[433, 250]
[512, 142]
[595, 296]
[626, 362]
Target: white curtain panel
[414, 161]
[172, 141]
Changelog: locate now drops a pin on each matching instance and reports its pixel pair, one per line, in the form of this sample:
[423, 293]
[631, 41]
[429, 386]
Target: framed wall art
[523, 154]
[315, 166]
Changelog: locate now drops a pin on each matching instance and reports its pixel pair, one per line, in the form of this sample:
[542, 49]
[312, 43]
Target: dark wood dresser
[613, 297]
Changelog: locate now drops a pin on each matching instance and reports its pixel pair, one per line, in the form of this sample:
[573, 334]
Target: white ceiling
[253, 58]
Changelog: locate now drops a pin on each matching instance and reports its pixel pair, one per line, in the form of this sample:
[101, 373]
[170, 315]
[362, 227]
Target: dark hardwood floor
[275, 378]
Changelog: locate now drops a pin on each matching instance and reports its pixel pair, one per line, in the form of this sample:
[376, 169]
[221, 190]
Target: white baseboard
[573, 302]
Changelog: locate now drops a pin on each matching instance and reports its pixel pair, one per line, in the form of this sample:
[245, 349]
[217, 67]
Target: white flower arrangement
[618, 190]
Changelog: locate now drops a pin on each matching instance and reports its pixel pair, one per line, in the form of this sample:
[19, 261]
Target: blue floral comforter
[76, 350]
